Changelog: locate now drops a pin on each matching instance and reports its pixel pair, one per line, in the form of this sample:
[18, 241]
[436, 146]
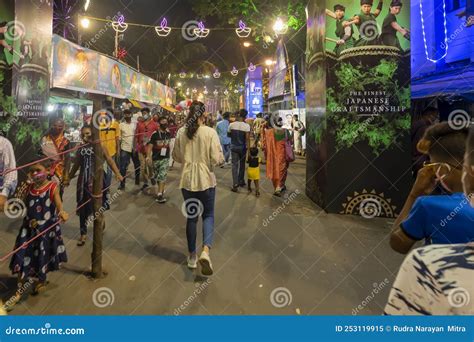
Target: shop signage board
[82, 69]
[253, 92]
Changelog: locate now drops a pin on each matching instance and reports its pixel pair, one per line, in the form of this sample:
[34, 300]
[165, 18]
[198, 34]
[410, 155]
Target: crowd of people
[439, 209]
[152, 142]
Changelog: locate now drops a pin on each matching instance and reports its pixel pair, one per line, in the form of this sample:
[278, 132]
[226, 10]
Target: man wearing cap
[366, 23]
[390, 26]
[344, 33]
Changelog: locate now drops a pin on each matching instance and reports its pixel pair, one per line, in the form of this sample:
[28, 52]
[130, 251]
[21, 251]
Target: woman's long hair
[196, 110]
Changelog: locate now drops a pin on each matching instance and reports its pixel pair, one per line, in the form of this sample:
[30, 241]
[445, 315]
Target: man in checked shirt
[8, 181]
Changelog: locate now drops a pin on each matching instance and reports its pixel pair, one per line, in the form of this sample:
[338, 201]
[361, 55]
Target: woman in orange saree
[274, 140]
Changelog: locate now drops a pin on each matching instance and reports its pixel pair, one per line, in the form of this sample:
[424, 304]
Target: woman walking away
[198, 149]
[43, 214]
[279, 154]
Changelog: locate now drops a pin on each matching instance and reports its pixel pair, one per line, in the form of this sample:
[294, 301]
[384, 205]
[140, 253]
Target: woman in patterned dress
[44, 212]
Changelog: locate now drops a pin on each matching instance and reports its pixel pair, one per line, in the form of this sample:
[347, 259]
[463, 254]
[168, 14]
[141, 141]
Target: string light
[182, 74]
[236, 91]
[194, 90]
[120, 25]
[216, 92]
[424, 35]
[201, 31]
[216, 74]
[234, 71]
[163, 30]
[226, 92]
[86, 5]
[199, 76]
[252, 67]
[243, 31]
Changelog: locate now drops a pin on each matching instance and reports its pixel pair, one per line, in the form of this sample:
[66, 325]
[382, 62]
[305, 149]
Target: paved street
[327, 264]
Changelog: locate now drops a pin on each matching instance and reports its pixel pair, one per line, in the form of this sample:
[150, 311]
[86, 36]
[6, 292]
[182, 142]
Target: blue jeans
[226, 150]
[125, 158]
[199, 203]
[238, 165]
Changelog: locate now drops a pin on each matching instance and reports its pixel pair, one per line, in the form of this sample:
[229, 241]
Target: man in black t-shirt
[390, 26]
[158, 153]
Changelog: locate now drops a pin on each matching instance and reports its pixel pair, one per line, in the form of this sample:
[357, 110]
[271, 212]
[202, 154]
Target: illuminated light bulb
[216, 74]
[85, 22]
[280, 27]
[269, 62]
[247, 44]
[234, 71]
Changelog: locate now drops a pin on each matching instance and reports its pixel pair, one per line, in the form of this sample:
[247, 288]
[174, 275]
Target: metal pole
[97, 185]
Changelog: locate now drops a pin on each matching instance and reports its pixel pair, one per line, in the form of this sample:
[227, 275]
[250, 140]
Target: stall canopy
[169, 109]
[68, 100]
[136, 104]
[455, 83]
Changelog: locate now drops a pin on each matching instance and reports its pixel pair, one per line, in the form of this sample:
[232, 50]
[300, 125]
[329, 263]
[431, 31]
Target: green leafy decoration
[379, 131]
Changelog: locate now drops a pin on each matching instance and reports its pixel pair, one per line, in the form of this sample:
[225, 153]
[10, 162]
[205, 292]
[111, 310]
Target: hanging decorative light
[243, 31]
[86, 5]
[120, 25]
[252, 67]
[216, 92]
[201, 31]
[216, 74]
[205, 92]
[236, 91]
[194, 90]
[199, 76]
[424, 35]
[226, 92]
[234, 71]
[182, 74]
[163, 30]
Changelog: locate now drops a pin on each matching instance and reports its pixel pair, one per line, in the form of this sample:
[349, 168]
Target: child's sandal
[40, 288]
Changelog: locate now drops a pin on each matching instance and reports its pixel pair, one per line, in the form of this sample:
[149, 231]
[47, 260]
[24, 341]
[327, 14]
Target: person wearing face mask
[53, 146]
[44, 209]
[85, 163]
[437, 219]
[8, 179]
[158, 154]
[143, 133]
[421, 284]
[127, 136]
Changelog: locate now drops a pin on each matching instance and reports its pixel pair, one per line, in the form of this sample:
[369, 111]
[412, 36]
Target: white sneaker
[192, 262]
[206, 265]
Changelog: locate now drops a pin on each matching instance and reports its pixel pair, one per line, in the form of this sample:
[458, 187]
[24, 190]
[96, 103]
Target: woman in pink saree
[274, 141]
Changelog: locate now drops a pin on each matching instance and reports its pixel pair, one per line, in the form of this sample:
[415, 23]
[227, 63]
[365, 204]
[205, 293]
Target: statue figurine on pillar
[366, 23]
[390, 26]
[343, 33]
